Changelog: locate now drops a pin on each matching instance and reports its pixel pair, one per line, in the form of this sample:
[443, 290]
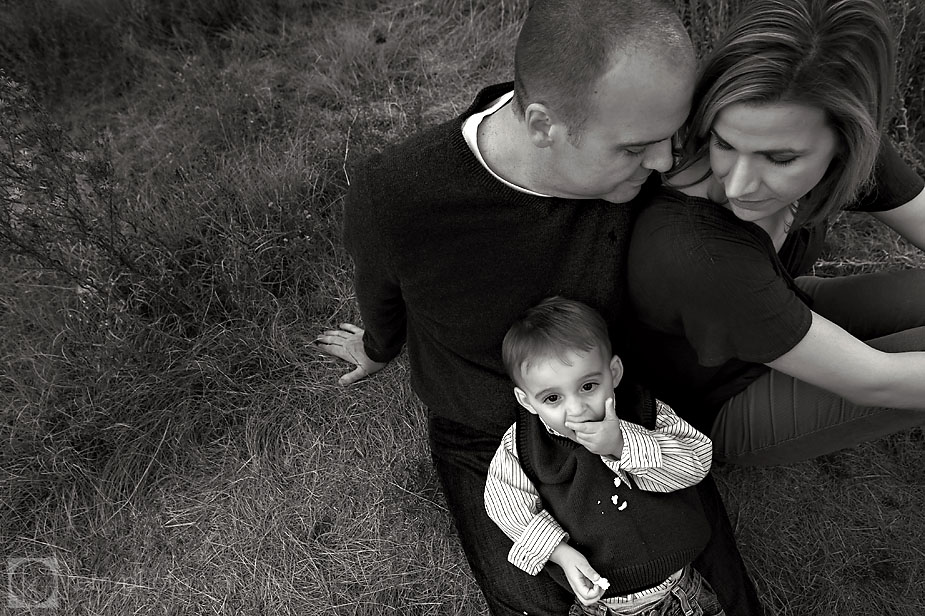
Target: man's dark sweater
[447, 257]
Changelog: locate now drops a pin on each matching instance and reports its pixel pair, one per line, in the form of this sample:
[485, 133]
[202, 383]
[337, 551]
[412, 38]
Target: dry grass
[170, 436]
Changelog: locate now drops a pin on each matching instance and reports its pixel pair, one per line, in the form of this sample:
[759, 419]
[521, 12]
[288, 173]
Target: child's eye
[551, 399]
[589, 387]
[634, 151]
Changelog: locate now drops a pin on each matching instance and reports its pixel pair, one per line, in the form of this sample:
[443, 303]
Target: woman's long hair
[837, 56]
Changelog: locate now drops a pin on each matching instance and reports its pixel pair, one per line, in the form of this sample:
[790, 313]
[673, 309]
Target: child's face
[572, 390]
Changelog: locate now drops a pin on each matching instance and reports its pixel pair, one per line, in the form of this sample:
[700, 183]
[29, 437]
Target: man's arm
[512, 501]
[377, 287]
[672, 456]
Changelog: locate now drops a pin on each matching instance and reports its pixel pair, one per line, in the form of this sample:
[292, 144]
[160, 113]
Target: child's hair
[553, 328]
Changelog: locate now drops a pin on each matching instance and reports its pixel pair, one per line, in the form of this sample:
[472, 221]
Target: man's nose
[658, 156]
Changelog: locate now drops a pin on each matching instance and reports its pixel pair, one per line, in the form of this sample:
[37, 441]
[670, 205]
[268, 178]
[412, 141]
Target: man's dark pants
[462, 455]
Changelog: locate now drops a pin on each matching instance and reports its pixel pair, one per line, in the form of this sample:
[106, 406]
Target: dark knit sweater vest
[634, 538]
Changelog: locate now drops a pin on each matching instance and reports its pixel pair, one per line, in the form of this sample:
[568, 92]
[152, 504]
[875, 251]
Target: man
[530, 193]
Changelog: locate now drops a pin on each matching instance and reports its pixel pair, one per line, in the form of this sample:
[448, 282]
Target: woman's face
[768, 156]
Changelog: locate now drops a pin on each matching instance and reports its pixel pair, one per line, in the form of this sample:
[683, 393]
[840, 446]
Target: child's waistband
[645, 598]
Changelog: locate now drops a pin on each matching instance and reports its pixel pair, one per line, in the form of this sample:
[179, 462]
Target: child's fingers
[591, 595]
[591, 442]
[597, 584]
[580, 427]
[591, 576]
[610, 412]
[584, 439]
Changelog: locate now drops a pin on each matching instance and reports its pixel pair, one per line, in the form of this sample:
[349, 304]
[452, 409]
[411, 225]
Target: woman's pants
[779, 419]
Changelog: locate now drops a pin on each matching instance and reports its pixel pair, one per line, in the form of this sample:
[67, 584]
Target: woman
[786, 130]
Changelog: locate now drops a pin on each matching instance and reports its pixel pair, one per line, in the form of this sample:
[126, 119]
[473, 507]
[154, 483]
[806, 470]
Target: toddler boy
[611, 505]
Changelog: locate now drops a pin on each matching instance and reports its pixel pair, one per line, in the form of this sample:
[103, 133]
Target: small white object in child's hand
[603, 583]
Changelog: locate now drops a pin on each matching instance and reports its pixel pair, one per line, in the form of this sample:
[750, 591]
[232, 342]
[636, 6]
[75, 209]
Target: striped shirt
[670, 457]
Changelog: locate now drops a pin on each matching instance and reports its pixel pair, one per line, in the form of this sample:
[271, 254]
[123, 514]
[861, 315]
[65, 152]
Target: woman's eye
[719, 144]
[634, 151]
[782, 161]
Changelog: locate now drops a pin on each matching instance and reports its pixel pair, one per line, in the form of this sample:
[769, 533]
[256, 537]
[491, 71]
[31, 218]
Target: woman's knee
[870, 305]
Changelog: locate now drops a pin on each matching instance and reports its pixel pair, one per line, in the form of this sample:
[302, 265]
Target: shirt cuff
[531, 552]
[640, 449]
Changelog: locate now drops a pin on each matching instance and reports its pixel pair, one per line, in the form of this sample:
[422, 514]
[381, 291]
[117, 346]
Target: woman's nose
[741, 179]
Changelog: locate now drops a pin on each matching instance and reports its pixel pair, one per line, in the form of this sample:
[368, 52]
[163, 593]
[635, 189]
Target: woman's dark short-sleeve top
[716, 301]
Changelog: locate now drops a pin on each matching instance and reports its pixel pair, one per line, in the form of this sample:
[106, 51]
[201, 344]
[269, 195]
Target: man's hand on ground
[347, 343]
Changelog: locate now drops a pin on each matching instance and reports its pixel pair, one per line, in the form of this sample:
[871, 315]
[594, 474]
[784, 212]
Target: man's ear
[521, 396]
[541, 124]
[616, 369]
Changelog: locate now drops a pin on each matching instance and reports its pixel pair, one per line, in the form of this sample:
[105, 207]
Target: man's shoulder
[431, 148]
[435, 166]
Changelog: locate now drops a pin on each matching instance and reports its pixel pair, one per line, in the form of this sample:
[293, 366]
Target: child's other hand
[603, 437]
[580, 574]
[591, 595]
[582, 577]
